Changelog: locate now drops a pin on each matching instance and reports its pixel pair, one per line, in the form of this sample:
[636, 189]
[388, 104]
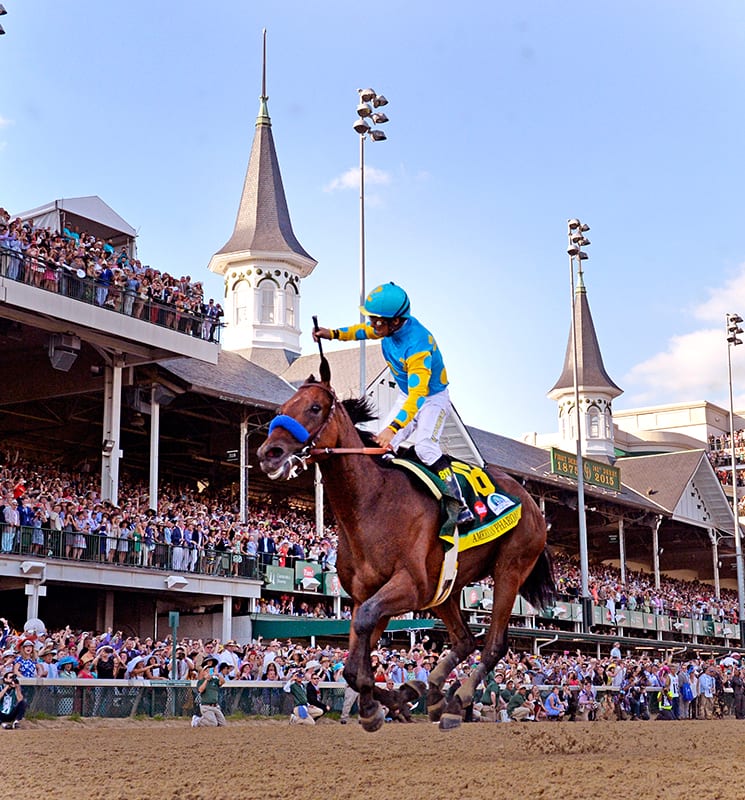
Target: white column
[244, 471]
[622, 549]
[318, 484]
[656, 551]
[34, 590]
[112, 415]
[227, 618]
[154, 447]
[715, 559]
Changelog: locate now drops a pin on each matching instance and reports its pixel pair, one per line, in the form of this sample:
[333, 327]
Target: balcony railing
[75, 284]
[126, 552]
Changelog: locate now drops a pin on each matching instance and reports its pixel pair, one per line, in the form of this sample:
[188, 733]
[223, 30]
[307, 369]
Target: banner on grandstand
[595, 473]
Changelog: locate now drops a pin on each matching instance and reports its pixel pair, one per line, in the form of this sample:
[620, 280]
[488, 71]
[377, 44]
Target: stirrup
[465, 515]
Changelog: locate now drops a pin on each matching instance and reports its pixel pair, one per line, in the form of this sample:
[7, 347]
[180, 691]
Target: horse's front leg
[390, 600]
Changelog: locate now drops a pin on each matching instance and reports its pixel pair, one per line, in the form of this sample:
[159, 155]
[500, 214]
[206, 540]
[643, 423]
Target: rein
[363, 451]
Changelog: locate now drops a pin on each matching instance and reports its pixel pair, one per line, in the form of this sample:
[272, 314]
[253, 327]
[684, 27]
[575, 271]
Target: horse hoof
[375, 722]
[435, 711]
[449, 721]
[411, 691]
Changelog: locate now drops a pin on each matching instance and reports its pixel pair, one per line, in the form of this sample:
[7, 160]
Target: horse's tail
[539, 588]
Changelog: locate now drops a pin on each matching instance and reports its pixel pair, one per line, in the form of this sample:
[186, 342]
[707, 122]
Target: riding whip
[325, 369]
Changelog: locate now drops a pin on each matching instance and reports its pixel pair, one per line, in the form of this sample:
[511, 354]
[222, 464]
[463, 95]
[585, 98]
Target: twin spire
[263, 222]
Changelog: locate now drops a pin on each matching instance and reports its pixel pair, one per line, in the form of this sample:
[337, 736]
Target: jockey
[418, 369]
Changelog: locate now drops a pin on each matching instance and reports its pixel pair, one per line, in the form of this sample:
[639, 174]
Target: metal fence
[125, 551]
[126, 699]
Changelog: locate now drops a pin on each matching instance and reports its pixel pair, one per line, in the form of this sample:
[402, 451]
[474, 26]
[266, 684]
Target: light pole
[369, 101]
[577, 240]
[733, 331]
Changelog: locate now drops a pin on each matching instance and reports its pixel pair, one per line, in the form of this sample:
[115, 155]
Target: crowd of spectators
[675, 598]
[630, 685]
[45, 510]
[50, 512]
[79, 265]
[720, 456]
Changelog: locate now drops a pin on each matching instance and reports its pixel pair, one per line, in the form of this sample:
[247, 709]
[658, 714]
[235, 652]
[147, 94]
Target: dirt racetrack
[269, 760]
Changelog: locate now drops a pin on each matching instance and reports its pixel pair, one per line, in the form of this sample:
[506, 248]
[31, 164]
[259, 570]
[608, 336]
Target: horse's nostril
[273, 453]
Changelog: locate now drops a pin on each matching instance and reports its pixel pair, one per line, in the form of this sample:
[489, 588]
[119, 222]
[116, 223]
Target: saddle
[495, 511]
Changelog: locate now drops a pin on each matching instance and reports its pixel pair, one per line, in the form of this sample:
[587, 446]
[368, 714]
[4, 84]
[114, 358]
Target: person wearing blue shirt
[417, 366]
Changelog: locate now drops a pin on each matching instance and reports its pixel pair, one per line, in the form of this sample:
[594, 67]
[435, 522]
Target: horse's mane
[360, 410]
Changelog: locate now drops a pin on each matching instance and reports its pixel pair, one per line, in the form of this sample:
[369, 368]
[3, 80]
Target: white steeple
[263, 263]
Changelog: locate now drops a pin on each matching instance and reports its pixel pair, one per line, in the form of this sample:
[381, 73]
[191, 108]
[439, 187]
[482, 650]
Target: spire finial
[263, 69]
[580, 279]
[263, 118]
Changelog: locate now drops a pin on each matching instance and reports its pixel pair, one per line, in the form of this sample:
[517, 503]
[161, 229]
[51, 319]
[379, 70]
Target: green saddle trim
[495, 511]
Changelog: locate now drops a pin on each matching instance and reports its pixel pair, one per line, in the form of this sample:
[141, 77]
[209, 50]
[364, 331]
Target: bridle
[304, 457]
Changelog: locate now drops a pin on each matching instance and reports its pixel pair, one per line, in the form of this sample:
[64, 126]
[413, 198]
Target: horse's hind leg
[463, 643]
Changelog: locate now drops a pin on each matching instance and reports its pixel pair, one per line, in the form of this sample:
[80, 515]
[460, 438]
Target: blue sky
[505, 120]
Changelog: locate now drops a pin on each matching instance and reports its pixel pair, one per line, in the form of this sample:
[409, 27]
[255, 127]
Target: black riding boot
[443, 470]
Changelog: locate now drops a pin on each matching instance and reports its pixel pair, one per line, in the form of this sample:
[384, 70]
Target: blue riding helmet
[387, 301]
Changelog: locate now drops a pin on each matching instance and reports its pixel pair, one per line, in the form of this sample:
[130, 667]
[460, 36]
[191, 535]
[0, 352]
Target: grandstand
[118, 400]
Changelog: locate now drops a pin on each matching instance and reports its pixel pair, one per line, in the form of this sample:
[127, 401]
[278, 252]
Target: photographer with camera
[209, 682]
[12, 704]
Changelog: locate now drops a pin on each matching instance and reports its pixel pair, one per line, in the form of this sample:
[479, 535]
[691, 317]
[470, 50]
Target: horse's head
[304, 422]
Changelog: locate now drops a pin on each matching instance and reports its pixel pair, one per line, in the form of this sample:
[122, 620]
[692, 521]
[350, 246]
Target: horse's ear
[311, 379]
[325, 370]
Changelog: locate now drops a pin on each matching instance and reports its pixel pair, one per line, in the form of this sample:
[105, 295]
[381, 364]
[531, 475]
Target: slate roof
[345, 368]
[232, 378]
[665, 476]
[590, 369]
[263, 221]
[534, 463]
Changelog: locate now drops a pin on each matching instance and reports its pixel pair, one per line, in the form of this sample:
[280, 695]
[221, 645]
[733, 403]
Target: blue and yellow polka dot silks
[414, 359]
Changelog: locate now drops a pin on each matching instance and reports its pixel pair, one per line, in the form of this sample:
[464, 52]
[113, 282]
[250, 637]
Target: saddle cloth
[495, 511]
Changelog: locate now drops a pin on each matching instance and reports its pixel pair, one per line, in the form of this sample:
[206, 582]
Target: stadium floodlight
[733, 331]
[574, 227]
[367, 102]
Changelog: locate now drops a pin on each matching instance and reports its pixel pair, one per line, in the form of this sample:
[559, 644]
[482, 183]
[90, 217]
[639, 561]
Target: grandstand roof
[232, 378]
[684, 484]
[345, 368]
[534, 463]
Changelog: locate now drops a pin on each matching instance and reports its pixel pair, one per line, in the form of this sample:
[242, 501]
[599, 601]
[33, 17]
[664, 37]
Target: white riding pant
[425, 430]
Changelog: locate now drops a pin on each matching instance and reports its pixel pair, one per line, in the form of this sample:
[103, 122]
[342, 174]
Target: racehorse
[390, 556]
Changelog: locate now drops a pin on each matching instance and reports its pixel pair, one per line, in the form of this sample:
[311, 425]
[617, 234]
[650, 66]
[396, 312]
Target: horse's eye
[315, 408]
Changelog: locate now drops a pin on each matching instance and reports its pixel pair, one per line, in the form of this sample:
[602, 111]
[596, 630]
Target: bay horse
[389, 554]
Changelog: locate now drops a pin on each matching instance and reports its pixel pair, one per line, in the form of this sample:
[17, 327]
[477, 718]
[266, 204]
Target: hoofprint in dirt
[271, 760]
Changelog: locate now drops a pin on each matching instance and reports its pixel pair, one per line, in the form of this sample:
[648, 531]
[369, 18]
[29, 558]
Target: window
[290, 305]
[267, 291]
[595, 424]
[241, 293]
